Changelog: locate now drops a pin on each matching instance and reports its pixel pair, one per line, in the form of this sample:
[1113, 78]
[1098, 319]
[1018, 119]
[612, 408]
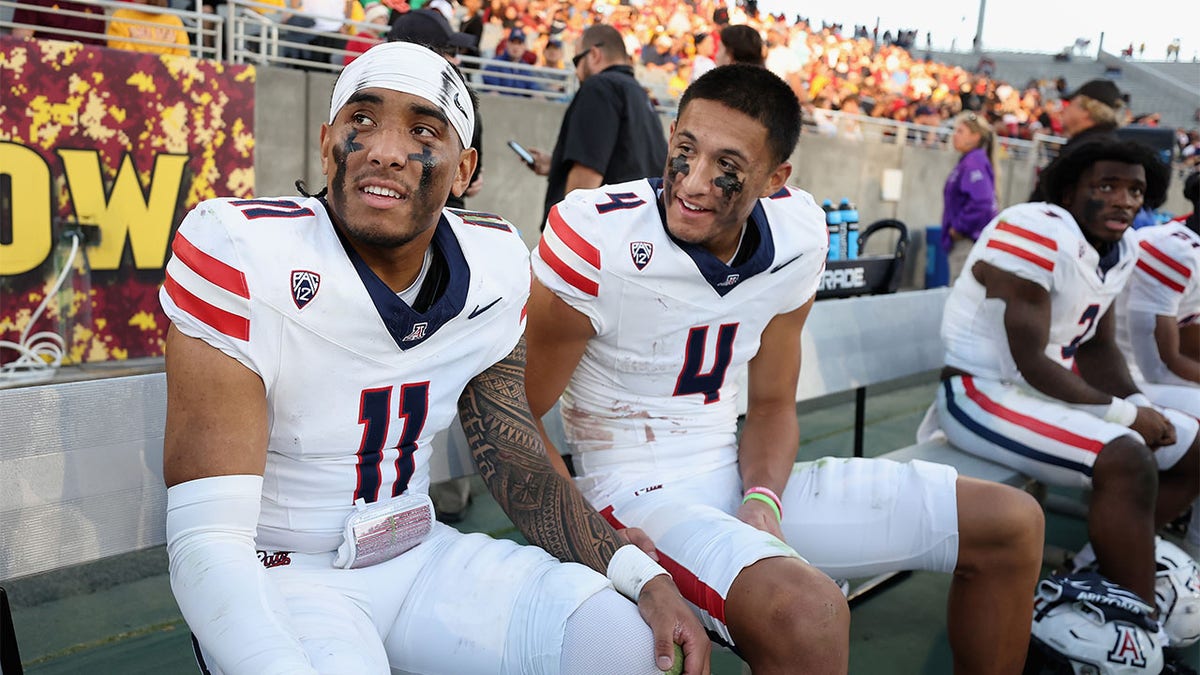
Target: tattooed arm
[548, 509]
[512, 461]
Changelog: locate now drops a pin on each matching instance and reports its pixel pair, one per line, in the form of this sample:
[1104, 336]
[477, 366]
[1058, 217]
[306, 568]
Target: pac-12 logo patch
[304, 287]
[641, 251]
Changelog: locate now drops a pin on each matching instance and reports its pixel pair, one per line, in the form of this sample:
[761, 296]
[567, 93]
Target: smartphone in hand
[522, 153]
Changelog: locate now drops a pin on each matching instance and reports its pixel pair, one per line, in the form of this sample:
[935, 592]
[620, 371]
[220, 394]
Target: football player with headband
[1034, 378]
[648, 298]
[317, 345]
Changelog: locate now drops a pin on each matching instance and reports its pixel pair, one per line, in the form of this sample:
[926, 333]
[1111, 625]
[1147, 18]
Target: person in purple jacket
[969, 198]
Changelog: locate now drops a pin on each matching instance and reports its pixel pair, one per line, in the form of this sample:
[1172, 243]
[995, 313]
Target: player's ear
[777, 179]
[325, 140]
[463, 172]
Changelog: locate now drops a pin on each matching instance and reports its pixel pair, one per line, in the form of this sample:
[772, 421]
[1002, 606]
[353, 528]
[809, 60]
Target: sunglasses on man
[583, 54]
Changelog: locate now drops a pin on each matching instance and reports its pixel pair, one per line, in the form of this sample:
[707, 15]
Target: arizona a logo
[641, 251]
[1127, 649]
[304, 287]
[418, 332]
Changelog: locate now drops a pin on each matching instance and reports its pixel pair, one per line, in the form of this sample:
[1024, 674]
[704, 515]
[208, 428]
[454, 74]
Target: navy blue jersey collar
[407, 326]
[724, 278]
[1109, 259]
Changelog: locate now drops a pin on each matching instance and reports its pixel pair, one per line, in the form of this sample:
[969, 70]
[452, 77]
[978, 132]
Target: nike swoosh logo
[783, 265]
[480, 310]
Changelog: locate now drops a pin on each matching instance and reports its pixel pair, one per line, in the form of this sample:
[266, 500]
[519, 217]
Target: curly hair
[1062, 176]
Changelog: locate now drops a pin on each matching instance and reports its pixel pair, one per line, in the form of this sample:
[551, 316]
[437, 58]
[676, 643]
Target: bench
[82, 460]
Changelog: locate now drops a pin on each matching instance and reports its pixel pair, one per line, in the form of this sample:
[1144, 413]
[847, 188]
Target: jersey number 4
[691, 380]
[375, 415]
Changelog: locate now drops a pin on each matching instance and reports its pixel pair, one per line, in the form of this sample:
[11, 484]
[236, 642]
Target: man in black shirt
[610, 132]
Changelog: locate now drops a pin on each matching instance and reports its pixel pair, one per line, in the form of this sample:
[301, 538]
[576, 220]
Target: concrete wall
[282, 130]
[291, 106]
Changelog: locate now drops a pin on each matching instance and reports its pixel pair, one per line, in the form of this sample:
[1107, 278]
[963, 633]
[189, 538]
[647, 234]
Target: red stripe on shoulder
[1036, 238]
[208, 267]
[1166, 259]
[1038, 260]
[565, 271]
[572, 239]
[1160, 277]
[230, 324]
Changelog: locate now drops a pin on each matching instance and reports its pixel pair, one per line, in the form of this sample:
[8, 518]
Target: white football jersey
[357, 381]
[1040, 243]
[1166, 282]
[655, 387]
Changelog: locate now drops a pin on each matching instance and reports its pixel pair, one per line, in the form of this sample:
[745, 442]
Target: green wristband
[766, 500]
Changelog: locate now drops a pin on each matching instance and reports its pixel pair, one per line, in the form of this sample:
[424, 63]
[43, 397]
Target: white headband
[411, 69]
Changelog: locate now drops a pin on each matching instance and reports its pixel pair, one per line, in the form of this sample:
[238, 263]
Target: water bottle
[833, 222]
[849, 229]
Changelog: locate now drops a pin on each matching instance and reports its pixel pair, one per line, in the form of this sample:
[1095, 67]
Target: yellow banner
[117, 146]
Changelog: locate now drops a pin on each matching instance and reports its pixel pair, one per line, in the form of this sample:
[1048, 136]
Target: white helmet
[1084, 624]
[1177, 593]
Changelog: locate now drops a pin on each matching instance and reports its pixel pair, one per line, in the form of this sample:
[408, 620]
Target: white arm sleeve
[218, 581]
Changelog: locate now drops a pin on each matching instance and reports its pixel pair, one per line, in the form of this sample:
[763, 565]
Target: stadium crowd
[858, 70]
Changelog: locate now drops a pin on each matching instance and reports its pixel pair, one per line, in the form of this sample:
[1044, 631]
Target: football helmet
[1177, 593]
[1084, 624]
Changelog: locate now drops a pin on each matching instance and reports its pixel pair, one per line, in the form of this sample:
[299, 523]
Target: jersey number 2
[1086, 320]
[691, 380]
[375, 415]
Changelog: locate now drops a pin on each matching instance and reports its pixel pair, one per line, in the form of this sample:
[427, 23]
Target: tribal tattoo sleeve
[512, 461]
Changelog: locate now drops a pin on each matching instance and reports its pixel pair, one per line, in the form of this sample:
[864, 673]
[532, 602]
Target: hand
[541, 162]
[476, 185]
[1154, 428]
[673, 622]
[955, 235]
[760, 516]
[639, 538]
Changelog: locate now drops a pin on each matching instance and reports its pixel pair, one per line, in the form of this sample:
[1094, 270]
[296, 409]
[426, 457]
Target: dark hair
[743, 44]
[758, 93]
[1063, 174]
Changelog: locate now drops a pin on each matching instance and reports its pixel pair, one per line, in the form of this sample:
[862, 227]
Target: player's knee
[804, 605]
[1127, 465]
[1005, 528]
[1191, 458]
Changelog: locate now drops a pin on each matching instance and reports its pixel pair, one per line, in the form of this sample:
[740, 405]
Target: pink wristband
[765, 492]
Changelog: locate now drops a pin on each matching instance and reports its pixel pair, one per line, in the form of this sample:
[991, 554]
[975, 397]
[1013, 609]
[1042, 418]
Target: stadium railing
[855, 128]
[202, 29]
